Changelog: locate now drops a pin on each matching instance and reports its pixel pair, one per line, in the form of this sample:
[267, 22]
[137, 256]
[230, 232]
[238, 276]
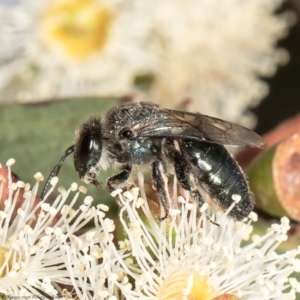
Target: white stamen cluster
[192, 244]
[35, 65]
[40, 248]
[209, 51]
[50, 257]
[215, 52]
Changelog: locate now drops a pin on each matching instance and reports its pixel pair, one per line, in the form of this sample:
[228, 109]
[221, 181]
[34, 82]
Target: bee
[142, 135]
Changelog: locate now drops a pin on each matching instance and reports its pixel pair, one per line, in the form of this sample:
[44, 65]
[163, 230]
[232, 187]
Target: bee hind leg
[185, 174]
[160, 184]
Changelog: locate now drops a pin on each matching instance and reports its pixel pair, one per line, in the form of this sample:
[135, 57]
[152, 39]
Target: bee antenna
[56, 169]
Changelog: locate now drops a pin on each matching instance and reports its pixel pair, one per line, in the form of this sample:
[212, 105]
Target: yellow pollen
[193, 287]
[76, 28]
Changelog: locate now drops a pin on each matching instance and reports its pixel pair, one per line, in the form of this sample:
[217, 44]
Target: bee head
[88, 149]
[87, 153]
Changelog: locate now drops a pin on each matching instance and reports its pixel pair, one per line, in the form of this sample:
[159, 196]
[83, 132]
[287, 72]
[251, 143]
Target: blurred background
[62, 61]
[282, 101]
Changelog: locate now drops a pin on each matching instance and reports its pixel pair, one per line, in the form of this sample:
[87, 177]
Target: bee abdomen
[220, 176]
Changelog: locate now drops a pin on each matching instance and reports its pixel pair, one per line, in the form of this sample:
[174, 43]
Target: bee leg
[183, 170]
[119, 180]
[160, 184]
[185, 175]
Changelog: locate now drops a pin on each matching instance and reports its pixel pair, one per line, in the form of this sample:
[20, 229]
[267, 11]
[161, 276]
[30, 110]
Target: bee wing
[178, 124]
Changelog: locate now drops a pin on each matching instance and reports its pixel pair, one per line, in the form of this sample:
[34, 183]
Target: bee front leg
[119, 180]
[160, 184]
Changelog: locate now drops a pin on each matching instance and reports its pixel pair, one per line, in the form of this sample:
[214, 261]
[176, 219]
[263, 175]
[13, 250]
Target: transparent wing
[179, 124]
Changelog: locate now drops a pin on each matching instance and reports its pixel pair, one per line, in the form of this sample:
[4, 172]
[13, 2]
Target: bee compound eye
[88, 151]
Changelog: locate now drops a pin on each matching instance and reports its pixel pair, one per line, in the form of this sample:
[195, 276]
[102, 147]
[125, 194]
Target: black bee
[189, 145]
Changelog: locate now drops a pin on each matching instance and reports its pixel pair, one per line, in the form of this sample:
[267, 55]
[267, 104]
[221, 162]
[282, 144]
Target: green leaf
[37, 135]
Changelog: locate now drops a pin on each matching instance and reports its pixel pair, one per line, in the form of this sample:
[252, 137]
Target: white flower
[189, 257]
[214, 53]
[38, 241]
[186, 256]
[72, 48]
[96, 261]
